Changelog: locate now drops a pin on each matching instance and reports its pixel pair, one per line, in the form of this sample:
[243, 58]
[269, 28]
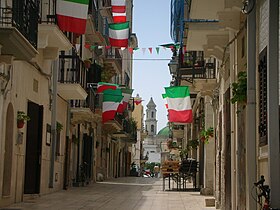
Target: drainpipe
[53, 121]
[251, 107]
[273, 103]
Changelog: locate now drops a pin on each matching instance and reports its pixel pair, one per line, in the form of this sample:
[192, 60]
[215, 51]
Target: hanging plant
[239, 89]
[205, 134]
[21, 118]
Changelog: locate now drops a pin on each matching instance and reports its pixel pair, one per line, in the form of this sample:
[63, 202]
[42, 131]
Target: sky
[151, 23]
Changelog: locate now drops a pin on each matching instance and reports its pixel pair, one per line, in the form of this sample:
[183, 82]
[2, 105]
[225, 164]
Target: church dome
[164, 132]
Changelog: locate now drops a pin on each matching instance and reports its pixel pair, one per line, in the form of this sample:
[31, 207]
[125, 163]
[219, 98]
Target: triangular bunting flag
[77, 46]
[130, 50]
[157, 49]
[143, 50]
[151, 50]
[92, 47]
[72, 15]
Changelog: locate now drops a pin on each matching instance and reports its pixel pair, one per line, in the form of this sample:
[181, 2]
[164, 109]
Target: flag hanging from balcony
[111, 101]
[118, 6]
[101, 86]
[165, 100]
[118, 34]
[126, 96]
[72, 15]
[119, 17]
[179, 104]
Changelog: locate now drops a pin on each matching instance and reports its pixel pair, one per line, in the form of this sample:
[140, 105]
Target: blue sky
[151, 23]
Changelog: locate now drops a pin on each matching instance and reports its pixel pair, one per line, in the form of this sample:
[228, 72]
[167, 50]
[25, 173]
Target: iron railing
[193, 65]
[23, 15]
[48, 11]
[113, 53]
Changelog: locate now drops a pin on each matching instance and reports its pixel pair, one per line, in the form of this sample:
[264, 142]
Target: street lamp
[173, 68]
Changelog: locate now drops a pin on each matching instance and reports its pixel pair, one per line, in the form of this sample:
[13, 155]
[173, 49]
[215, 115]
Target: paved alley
[126, 193]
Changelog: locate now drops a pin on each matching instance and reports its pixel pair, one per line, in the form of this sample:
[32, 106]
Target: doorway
[33, 149]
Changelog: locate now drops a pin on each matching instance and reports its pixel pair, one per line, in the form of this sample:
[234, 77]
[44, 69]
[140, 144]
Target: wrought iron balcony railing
[93, 100]
[113, 54]
[71, 69]
[23, 15]
[193, 65]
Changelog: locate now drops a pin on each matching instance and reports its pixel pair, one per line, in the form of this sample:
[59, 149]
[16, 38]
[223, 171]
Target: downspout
[251, 108]
[53, 121]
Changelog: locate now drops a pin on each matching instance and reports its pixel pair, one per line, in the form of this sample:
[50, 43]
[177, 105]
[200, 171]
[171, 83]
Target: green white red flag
[118, 6]
[179, 104]
[165, 100]
[119, 17]
[111, 101]
[126, 96]
[118, 34]
[72, 15]
[101, 86]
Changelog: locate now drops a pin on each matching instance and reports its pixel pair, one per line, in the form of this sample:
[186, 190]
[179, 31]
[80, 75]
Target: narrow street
[125, 193]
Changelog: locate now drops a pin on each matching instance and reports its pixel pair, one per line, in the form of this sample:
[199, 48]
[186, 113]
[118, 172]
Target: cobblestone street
[123, 193]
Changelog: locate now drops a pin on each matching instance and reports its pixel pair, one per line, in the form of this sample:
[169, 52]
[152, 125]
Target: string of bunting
[131, 50]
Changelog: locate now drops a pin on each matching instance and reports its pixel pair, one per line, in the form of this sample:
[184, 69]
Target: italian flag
[118, 6]
[118, 11]
[165, 100]
[126, 96]
[119, 17]
[101, 86]
[118, 34]
[111, 101]
[179, 104]
[72, 15]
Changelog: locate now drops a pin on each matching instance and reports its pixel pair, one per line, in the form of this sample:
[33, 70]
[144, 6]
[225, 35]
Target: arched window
[152, 114]
[152, 128]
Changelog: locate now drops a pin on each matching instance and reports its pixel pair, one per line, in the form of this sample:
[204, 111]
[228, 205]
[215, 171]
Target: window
[152, 114]
[263, 97]
[152, 128]
[243, 47]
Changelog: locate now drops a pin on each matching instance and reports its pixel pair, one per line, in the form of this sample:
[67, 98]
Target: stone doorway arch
[8, 156]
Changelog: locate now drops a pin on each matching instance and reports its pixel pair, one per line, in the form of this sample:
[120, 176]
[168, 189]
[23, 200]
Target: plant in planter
[59, 126]
[21, 118]
[193, 143]
[87, 63]
[239, 90]
[184, 153]
[205, 134]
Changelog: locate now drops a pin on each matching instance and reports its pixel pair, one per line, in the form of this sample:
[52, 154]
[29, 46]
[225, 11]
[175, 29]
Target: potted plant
[205, 134]
[59, 126]
[21, 118]
[193, 143]
[87, 63]
[239, 90]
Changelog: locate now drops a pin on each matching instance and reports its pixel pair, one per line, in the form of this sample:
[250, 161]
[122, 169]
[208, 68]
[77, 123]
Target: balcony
[113, 60]
[195, 69]
[51, 38]
[87, 110]
[19, 29]
[71, 77]
[97, 31]
[178, 131]
[116, 124]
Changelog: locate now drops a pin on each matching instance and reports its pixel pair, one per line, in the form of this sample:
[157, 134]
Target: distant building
[153, 143]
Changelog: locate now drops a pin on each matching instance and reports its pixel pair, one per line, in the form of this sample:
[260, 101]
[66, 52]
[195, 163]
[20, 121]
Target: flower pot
[20, 123]
[87, 63]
